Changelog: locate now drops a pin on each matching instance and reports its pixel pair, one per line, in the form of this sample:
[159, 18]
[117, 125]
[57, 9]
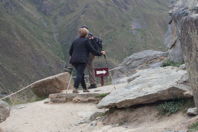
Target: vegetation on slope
[27, 51]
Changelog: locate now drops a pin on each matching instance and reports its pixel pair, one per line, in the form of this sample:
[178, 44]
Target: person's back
[80, 51]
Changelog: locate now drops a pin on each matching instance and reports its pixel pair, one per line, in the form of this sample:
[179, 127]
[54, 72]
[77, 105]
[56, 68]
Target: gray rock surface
[149, 86]
[50, 85]
[173, 44]
[185, 15]
[172, 37]
[4, 111]
[192, 111]
[141, 60]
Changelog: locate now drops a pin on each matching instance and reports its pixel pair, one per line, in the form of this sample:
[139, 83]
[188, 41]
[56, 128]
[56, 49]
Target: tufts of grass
[171, 63]
[103, 95]
[193, 127]
[174, 106]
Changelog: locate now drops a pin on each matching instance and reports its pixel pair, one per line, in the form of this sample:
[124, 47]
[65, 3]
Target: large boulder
[141, 60]
[4, 111]
[186, 18]
[189, 33]
[172, 36]
[50, 85]
[173, 41]
[149, 86]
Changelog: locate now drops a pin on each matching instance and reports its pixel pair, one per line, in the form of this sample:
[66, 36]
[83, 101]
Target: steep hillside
[27, 49]
[35, 34]
[126, 26]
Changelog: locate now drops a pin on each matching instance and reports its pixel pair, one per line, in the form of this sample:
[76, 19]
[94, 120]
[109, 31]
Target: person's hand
[103, 52]
[91, 37]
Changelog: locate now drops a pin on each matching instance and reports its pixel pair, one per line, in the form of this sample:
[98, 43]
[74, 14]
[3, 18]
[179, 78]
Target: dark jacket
[80, 49]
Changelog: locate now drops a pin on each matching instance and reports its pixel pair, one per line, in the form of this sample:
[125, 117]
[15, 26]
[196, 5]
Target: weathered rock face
[50, 85]
[173, 44]
[186, 18]
[149, 86]
[141, 60]
[4, 111]
[172, 37]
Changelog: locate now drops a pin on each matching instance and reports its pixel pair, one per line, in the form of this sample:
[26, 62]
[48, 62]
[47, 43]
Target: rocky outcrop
[185, 15]
[141, 60]
[50, 85]
[149, 86]
[172, 37]
[173, 44]
[4, 111]
[192, 111]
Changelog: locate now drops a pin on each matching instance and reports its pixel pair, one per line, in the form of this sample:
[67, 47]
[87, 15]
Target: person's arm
[71, 50]
[92, 49]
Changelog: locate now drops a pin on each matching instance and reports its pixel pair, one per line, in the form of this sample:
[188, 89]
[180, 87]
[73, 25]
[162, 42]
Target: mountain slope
[126, 26]
[35, 34]
[27, 52]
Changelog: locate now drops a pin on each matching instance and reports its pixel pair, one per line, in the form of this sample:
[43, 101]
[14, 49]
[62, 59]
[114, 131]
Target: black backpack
[97, 44]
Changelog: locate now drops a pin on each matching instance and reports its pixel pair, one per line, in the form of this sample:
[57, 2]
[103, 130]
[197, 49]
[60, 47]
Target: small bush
[171, 63]
[193, 128]
[173, 106]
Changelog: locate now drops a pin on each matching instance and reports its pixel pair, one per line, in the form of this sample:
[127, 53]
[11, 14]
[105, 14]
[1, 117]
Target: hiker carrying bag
[97, 44]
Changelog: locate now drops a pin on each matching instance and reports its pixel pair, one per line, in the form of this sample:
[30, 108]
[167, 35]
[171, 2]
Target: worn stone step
[94, 96]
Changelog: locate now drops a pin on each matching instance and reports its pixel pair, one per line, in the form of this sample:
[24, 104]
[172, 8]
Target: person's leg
[83, 83]
[80, 68]
[90, 68]
[79, 75]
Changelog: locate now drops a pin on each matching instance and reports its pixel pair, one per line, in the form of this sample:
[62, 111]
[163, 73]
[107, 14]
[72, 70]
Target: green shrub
[103, 95]
[193, 127]
[173, 106]
[171, 63]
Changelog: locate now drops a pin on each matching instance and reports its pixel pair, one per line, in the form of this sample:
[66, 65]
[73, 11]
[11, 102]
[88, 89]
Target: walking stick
[69, 70]
[69, 82]
[105, 57]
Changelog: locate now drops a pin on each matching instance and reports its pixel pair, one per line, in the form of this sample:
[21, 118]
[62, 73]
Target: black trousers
[80, 79]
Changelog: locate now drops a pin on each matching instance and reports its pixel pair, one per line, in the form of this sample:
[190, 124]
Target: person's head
[83, 32]
[84, 26]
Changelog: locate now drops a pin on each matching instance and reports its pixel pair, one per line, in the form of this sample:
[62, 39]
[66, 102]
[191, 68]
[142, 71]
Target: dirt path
[40, 117]
[69, 117]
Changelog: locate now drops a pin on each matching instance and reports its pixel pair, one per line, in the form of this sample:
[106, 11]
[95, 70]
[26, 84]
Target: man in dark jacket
[79, 53]
[90, 64]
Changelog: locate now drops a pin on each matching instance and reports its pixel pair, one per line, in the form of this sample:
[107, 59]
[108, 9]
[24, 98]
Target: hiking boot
[92, 86]
[75, 91]
[85, 90]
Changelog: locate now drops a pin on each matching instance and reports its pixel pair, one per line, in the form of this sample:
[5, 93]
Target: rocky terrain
[149, 86]
[71, 117]
[185, 17]
[141, 60]
[4, 111]
[154, 93]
